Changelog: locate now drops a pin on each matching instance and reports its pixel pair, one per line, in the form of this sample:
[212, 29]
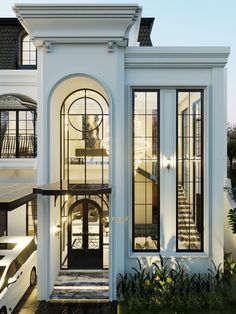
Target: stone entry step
[81, 286]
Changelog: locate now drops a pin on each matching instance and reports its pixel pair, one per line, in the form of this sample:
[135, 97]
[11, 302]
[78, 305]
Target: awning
[15, 195]
[63, 188]
[17, 101]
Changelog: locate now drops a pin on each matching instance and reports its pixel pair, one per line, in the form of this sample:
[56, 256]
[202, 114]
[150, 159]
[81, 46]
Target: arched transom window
[85, 138]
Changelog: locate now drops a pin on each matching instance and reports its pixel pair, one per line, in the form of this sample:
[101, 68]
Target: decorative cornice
[82, 23]
[76, 10]
[176, 57]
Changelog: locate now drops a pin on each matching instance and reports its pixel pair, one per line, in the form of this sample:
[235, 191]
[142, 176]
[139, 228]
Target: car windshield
[2, 268]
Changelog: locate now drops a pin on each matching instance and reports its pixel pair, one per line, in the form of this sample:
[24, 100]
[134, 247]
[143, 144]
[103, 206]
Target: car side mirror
[11, 281]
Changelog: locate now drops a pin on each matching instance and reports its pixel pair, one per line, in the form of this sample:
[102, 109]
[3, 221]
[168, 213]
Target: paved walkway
[29, 305]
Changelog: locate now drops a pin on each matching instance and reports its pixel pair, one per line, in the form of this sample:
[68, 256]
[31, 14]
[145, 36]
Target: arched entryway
[84, 170]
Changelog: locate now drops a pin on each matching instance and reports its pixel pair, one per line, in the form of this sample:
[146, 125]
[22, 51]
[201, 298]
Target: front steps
[82, 286]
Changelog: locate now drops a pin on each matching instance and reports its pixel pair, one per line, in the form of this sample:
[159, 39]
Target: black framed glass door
[85, 235]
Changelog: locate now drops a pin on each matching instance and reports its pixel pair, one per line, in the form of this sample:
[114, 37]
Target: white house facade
[131, 144]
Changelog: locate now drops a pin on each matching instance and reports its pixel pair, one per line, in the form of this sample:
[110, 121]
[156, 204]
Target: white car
[18, 270]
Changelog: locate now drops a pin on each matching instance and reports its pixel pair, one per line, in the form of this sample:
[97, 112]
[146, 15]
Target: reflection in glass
[28, 51]
[190, 171]
[85, 142]
[77, 227]
[146, 171]
[93, 228]
[17, 134]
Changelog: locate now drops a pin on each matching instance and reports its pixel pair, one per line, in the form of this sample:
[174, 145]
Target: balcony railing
[22, 146]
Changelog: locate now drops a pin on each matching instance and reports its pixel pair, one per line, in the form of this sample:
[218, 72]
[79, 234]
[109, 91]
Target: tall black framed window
[17, 134]
[189, 170]
[146, 179]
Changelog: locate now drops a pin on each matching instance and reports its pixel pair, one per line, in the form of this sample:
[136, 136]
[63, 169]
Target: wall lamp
[57, 230]
[168, 163]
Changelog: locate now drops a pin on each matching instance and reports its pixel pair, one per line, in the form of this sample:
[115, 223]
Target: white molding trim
[18, 77]
[78, 23]
[71, 10]
[176, 57]
[18, 163]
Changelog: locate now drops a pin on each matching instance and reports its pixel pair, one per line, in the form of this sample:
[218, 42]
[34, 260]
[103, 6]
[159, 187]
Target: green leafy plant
[164, 286]
[232, 219]
[229, 266]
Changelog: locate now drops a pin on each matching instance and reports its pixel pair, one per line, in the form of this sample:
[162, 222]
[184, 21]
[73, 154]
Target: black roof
[144, 37]
[15, 195]
[9, 21]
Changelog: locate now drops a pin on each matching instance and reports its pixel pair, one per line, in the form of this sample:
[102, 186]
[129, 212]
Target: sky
[180, 23]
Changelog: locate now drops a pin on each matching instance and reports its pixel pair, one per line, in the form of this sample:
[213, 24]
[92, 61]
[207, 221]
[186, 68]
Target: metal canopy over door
[85, 235]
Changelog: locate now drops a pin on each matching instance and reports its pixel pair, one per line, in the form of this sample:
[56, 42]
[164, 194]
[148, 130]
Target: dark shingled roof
[144, 36]
[9, 32]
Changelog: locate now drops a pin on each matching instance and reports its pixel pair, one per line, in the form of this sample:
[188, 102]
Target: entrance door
[85, 235]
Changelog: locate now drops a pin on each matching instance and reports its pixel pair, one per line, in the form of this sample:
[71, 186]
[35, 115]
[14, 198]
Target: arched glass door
[85, 235]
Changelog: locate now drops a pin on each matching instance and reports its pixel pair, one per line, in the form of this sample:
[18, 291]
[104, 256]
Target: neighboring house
[131, 142]
[18, 113]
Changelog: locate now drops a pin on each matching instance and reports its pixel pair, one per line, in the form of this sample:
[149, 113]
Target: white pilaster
[218, 163]
[119, 177]
[43, 226]
[167, 176]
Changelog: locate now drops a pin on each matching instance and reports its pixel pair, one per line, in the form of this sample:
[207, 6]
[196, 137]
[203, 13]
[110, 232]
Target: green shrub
[232, 219]
[163, 287]
[216, 301]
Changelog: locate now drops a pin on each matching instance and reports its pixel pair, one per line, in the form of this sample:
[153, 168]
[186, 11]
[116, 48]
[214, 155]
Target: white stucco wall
[54, 241]
[107, 69]
[16, 221]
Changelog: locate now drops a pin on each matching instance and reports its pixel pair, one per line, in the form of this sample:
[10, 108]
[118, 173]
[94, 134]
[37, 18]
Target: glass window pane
[139, 99]
[77, 228]
[145, 167]
[28, 51]
[189, 172]
[151, 102]
[86, 137]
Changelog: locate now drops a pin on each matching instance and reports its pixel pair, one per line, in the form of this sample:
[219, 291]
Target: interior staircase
[189, 237]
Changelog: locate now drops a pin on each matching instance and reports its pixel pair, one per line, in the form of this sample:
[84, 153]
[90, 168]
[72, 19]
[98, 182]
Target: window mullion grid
[145, 163]
[189, 167]
[17, 134]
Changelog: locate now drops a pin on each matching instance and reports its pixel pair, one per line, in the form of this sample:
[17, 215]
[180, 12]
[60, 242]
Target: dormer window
[27, 53]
